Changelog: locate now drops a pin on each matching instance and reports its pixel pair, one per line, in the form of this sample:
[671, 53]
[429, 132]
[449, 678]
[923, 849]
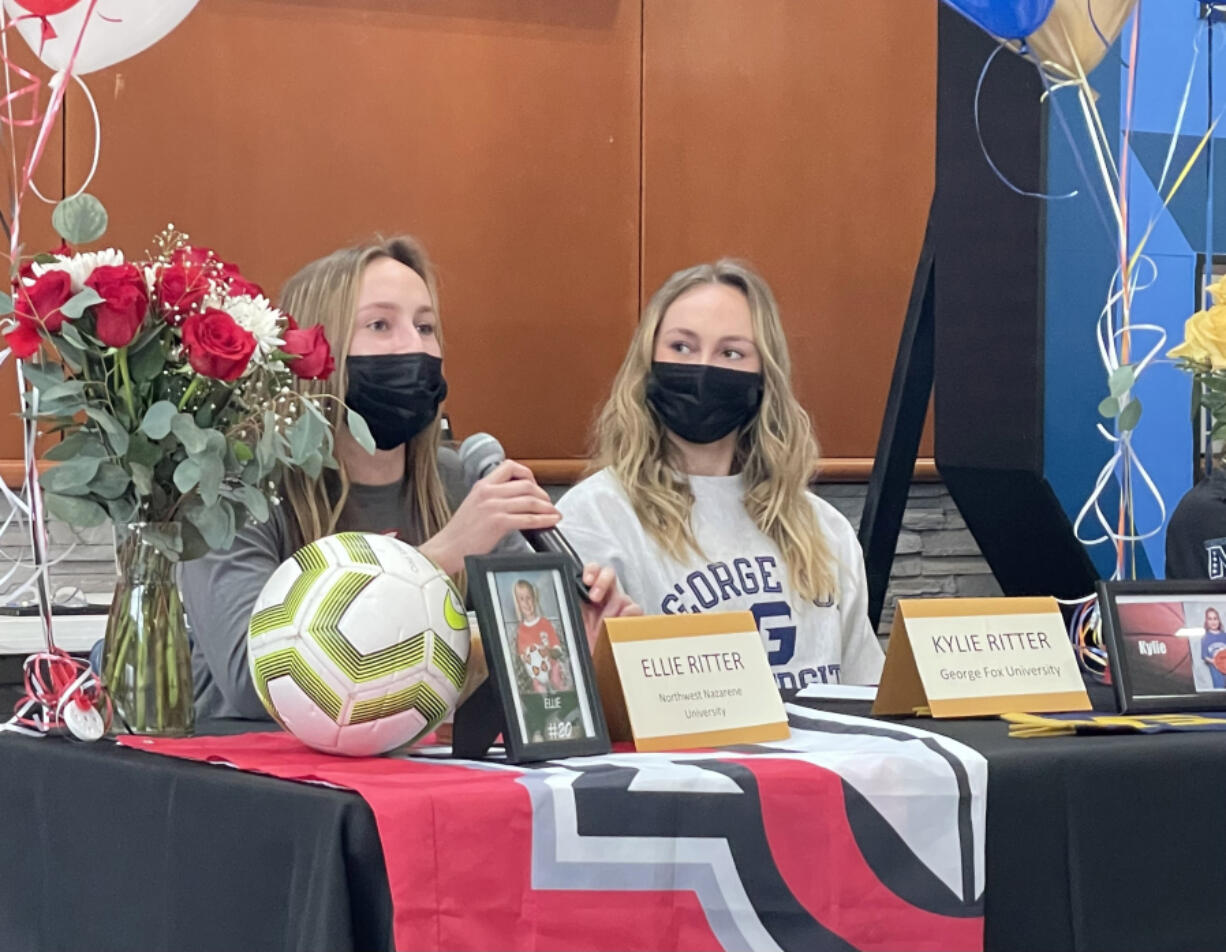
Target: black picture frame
[532, 726]
[1158, 671]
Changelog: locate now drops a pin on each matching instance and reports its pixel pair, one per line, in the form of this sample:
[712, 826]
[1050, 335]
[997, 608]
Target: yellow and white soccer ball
[358, 644]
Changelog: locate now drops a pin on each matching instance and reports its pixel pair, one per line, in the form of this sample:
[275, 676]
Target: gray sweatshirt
[219, 590]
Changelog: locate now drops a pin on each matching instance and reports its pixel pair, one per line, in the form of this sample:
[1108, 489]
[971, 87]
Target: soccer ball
[358, 644]
[537, 663]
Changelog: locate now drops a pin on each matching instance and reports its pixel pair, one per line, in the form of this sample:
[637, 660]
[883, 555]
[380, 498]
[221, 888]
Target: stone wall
[936, 553]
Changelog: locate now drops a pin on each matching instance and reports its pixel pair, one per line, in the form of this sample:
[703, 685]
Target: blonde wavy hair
[777, 452]
[325, 292]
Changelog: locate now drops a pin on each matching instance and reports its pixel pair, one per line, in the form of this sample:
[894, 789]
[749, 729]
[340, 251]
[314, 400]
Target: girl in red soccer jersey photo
[540, 650]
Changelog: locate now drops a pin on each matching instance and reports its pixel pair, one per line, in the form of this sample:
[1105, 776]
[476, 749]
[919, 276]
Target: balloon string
[983, 146]
[44, 133]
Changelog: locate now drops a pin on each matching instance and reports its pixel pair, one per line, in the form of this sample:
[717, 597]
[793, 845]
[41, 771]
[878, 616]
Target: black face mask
[701, 403]
[396, 394]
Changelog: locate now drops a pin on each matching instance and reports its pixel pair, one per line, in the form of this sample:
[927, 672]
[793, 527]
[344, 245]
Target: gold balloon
[1067, 39]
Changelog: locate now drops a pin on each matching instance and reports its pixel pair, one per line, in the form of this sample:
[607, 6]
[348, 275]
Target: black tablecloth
[112, 849]
[1093, 843]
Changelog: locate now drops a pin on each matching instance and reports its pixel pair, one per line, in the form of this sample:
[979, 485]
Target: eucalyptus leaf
[72, 476]
[301, 435]
[66, 388]
[77, 512]
[122, 510]
[215, 522]
[141, 450]
[68, 406]
[266, 449]
[71, 354]
[242, 452]
[80, 302]
[215, 444]
[80, 220]
[6, 304]
[156, 424]
[313, 465]
[194, 546]
[142, 478]
[110, 482]
[81, 443]
[1122, 379]
[187, 475]
[359, 430]
[147, 361]
[43, 376]
[45, 257]
[212, 471]
[255, 501]
[191, 436]
[115, 433]
[1110, 407]
[69, 332]
[1130, 415]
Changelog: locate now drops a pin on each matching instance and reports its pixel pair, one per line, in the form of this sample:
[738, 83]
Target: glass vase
[146, 657]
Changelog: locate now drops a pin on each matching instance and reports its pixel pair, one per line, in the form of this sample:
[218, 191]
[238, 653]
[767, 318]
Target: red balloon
[47, 8]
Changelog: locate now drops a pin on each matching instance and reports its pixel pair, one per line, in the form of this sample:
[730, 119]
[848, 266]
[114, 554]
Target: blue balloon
[1009, 19]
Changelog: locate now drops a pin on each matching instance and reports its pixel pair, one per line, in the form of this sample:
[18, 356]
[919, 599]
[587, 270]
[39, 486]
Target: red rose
[42, 300]
[24, 339]
[237, 285]
[179, 288]
[312, 357]
[216, 346]
[125, 302]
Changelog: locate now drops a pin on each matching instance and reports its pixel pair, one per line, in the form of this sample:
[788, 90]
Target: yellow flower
[1218, 290]
[1204, 337]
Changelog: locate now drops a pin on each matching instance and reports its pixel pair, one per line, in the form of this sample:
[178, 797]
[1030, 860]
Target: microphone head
[479, 454]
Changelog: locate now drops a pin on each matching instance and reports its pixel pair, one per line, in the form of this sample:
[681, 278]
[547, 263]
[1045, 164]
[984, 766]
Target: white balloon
[118, 29]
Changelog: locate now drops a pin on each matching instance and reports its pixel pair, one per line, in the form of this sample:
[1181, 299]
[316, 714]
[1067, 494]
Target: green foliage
[80, 220]
[146, 439]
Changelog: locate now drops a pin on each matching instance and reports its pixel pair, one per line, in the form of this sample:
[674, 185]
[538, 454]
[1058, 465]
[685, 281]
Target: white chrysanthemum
[80, 267]
[257, 316]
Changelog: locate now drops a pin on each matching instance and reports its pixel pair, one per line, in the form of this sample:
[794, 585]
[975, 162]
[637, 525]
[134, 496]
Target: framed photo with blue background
[1166, 642]
[537, 652]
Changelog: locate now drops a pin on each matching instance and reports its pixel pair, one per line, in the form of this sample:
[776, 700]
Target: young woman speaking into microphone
[701, 499]
[377, 304]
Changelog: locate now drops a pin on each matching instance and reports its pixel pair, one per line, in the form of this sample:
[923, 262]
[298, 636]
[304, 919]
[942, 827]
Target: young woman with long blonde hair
[378, 305]
[701, 500]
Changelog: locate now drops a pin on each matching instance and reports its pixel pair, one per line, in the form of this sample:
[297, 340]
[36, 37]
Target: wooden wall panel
[559, 158]
[503, 132]
[799, 135]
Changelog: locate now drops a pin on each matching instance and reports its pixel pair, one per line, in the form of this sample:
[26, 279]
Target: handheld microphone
[480, 454]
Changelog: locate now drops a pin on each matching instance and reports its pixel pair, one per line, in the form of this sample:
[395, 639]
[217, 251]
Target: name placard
[672, 682]
[962, 657]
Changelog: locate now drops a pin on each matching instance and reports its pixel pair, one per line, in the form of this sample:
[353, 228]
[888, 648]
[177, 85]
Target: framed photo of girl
[532, 631]
[1166, 643]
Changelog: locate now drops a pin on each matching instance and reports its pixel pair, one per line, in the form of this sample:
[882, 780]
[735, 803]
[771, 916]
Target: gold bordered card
[966, 657]
[674, 682]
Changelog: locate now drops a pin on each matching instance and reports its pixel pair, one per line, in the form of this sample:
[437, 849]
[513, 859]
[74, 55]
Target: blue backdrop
[1080, 259]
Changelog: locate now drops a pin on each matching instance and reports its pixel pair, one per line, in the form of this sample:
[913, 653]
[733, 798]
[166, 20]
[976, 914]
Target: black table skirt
[1105, 843]
[113, 850]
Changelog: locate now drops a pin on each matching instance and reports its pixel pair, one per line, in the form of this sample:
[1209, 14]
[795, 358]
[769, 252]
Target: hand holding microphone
[484, 460]
[504, 498]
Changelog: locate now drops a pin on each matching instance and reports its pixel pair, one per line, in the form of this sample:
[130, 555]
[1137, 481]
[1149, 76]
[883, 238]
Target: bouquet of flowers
[171, 388]
[1203, 354]
[170, 381]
